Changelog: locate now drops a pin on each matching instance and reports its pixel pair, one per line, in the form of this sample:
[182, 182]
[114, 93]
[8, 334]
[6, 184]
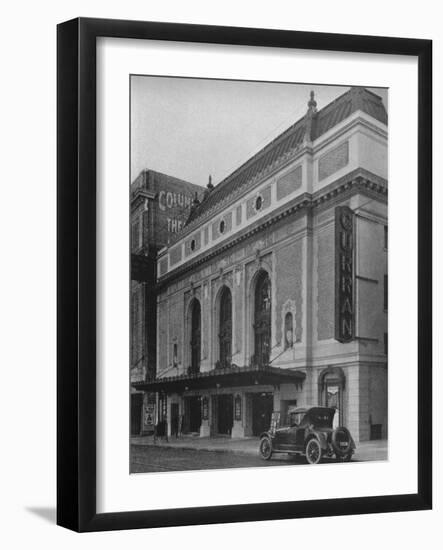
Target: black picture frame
[76, 265]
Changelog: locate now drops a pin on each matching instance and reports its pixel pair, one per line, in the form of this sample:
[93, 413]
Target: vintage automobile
[310, 433]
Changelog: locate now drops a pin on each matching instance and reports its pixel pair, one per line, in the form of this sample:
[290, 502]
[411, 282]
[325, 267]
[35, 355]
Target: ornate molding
[359, 180]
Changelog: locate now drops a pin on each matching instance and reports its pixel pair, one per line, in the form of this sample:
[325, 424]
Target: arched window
[225, 333]
[289, 334]
[262, 319]
[195, 336]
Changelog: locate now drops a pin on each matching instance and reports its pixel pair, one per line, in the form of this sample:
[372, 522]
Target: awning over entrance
[224, 377]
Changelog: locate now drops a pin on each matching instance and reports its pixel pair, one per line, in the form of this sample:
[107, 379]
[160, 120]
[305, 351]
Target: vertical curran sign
[344, 274]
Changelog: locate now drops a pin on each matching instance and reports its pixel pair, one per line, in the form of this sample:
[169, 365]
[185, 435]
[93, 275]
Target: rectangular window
[385, 293]
[135, 237]
[386, 343]
[386, 237]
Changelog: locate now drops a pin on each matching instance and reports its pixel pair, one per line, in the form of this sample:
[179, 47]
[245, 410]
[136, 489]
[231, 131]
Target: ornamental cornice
[243, 190]
[139, 196]
[359, 180]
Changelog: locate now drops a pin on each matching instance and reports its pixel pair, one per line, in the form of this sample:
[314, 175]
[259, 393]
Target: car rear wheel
[313, 451]
[265, 448]
[341, 442]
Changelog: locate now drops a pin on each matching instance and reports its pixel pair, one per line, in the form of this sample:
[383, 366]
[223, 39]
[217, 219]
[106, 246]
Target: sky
[193, 128]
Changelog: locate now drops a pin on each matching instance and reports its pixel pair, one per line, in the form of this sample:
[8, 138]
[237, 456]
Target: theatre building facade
[274, 294]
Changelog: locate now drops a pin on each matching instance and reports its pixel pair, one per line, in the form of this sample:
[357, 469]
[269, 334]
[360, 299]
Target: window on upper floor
[175, 355]
[262, 319]
[195, 336]
[385, 293]
[225, 327]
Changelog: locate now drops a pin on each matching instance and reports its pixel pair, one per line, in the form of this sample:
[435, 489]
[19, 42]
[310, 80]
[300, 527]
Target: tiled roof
[353, 100]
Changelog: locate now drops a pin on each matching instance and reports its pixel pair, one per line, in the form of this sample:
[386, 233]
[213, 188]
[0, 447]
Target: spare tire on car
[342, 442]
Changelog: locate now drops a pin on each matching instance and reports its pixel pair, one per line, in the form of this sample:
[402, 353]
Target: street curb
[190, 448]
[360, 457]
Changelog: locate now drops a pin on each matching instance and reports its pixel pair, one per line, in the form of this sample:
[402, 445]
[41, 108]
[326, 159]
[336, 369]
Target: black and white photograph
[219, 330]
[259, 274]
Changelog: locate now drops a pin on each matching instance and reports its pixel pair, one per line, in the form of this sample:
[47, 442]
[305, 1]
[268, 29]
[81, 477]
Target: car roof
[321, 409]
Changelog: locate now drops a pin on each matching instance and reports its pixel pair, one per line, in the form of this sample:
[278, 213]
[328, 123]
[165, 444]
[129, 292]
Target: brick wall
[325, 283]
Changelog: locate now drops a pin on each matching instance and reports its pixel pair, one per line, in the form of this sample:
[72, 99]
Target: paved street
[149, 458]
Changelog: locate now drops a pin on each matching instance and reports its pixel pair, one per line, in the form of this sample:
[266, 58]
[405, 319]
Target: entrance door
[195, 417]
[262, 406]
[333, 400]
[225, 415]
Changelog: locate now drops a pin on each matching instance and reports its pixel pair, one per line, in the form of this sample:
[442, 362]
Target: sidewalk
[367, 450]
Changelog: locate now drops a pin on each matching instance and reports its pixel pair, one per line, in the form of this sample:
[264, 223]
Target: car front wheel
[265, 448]
[313, 451]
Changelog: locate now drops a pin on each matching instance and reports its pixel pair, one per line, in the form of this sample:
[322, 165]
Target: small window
[385, 293]
[193, 244]
[175, 355]
[386, 343]
[258, 202]
[386, 237]
[222, 226]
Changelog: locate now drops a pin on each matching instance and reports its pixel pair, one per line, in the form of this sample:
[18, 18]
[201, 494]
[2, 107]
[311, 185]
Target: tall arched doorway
[262, 319]
[331, 385]
[225, 327]
[195, 336]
